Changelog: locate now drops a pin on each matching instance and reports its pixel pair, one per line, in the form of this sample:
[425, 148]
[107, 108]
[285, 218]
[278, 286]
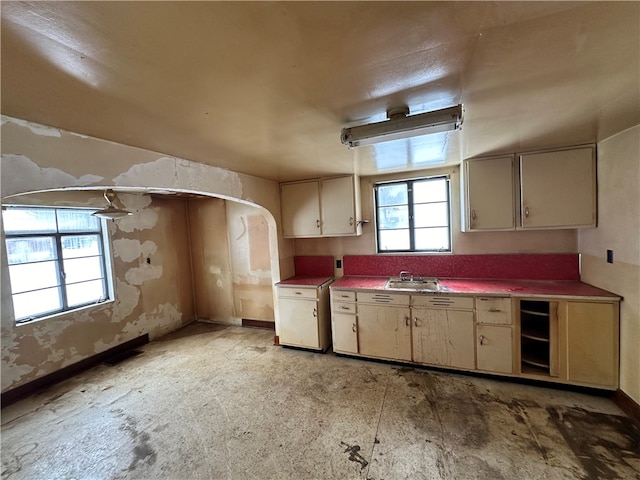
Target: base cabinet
[304, 317]
[443, 337]
[551, 339]
[345, 333]
[494, 348]
[384, 331]
[591, 343]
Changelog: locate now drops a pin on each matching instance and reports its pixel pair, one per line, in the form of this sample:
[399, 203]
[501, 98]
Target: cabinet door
[592, 343]
[337, 199]
[558, 189]
[300, 208]
[443, 337]
[299, 322]
[490, 198]
[345, 333]
[384, 331]
[495, 348]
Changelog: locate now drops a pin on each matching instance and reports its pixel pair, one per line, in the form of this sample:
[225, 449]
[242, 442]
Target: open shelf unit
[536, 337]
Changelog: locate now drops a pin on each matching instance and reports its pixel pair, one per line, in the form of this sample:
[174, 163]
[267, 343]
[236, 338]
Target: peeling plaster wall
[37, 158]
[619, 230]
[152, 298]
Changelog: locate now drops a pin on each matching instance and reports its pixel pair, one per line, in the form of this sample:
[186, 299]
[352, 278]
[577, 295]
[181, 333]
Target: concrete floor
[215, 402]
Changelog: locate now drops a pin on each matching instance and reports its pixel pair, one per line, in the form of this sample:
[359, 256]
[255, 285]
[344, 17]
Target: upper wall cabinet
[558, 189]
[555, 189]
[489, 193]
[324, 207]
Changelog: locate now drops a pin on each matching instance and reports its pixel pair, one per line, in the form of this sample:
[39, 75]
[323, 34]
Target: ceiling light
[402, 125]
[110, 211]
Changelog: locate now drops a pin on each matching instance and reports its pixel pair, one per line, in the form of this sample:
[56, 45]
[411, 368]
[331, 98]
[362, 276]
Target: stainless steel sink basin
[416, 284]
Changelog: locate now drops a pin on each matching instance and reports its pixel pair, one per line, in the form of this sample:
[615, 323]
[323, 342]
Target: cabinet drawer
[342, 307]
[493, 310]
[460, 303]
[298, 292]
[343, 296]
[383, 298]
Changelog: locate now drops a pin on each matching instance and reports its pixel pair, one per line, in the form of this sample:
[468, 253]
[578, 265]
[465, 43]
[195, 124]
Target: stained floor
[218, 402]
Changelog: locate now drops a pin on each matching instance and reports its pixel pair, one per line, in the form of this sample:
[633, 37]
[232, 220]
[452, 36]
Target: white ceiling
[265, 88]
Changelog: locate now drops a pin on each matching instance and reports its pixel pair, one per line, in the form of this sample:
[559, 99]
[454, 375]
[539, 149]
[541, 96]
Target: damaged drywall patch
[139, 275]
[126, 301]
[129, 250]
[162, 319]
[171, 172]
[21, 174]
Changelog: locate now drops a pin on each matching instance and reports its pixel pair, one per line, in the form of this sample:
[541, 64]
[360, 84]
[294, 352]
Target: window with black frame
[413, 215]
[57, 260]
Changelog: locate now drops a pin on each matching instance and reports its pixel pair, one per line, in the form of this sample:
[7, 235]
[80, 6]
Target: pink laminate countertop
[503, 288]
[305, 281]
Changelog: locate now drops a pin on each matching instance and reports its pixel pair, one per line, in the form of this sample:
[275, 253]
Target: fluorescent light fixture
[110, 211]
[402, 125]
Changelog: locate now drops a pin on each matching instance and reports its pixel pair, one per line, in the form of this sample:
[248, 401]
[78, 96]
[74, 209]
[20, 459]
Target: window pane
[29, 220]
[432, 239]
[431, 215]
[81, 269]
[32, 304]
[395, 194]
[393, 217]
[80, 246]
[77, 221]
[394, 240]
[32, 276]
[30, 249]
[86, 292]
[430, 191]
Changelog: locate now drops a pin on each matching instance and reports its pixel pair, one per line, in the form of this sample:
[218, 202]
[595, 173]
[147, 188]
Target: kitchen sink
[415, 284]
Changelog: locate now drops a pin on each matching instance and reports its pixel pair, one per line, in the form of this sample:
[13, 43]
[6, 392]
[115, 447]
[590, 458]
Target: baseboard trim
[22, 391]
[627, 404]
[246, 322]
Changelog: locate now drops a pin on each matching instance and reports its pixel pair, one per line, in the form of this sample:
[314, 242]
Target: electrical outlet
[609, 256]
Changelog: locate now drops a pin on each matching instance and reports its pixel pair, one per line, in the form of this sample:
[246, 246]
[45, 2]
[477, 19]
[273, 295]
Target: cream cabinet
[558, 189]
[494, 334]
[489, 194]
[344, 323]
[589, 343]
[546, 190]
[323, 207]
[384, 326]
[300, 208]
[443, 331]
[304, 317]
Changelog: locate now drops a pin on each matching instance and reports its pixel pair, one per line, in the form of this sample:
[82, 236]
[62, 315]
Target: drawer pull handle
[344, 307]
[407, 320]
[494, 310]
[315, 312]
[298, 293]
[353, 328]
[481, 339]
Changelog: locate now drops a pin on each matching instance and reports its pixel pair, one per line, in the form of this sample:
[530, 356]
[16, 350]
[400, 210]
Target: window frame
[106, 276]
[411, 207]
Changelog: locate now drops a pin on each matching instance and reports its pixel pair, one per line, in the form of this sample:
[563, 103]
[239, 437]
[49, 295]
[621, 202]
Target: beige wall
[152, 298]
[542, 241]
[231, 261]
[619, 230]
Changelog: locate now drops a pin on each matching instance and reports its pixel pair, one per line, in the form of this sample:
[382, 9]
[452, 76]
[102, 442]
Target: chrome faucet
[406, 276]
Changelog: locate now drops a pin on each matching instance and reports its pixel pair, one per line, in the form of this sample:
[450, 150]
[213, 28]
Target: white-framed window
[413, 215]
[58, 260]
